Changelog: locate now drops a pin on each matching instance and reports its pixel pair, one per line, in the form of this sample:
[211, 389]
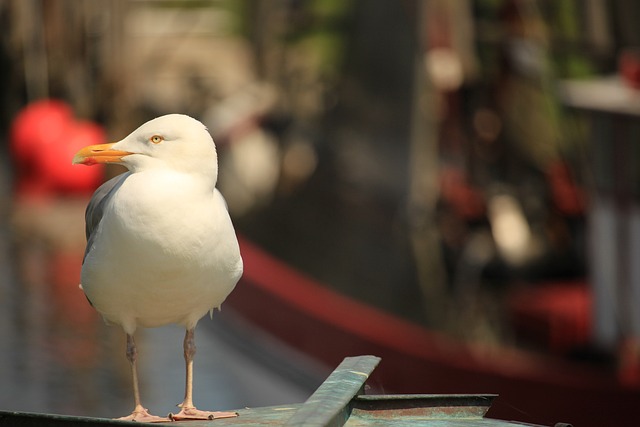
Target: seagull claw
[196, 414]
[141, 415]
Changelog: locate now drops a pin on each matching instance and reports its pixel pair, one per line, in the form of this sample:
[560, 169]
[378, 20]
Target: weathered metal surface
[24, 419]
[422, 406]
[421, 410]
[330, 404]
[266, 416]
[337, 402]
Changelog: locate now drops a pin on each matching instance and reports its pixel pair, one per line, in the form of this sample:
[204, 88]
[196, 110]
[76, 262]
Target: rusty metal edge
[423, 406]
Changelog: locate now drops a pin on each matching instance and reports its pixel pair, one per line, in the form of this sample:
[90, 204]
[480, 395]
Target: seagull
[161, 247]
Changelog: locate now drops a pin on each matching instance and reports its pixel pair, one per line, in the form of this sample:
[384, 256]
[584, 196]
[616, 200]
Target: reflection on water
[57, 356]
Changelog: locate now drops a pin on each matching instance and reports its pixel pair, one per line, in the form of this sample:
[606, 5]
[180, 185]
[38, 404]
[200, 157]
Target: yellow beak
[101, 153]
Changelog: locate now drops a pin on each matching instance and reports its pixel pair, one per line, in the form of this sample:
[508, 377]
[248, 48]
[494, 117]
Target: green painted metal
[330, 405]
[253, 417]
[26, 419]
[337, 402]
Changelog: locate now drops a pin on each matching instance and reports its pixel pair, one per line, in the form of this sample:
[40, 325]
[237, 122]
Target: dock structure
[339, 401]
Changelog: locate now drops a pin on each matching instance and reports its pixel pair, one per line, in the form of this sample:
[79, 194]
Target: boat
[339, 401]
[310, 317]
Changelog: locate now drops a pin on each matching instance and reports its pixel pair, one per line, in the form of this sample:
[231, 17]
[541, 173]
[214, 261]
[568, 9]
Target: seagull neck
[176, 180]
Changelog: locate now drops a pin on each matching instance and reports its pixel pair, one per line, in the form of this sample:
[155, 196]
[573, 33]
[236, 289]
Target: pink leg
[139, 414]
[188, 410]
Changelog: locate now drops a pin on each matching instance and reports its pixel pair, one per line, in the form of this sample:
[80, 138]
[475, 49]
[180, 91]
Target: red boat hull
[328, 326]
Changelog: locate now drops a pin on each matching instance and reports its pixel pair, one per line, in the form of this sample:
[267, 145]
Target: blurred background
[465, 171]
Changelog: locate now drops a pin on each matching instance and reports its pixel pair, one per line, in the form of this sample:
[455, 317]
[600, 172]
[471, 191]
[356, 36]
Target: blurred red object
[44, 137]
[567, 196]
[465, 199]
[557, 315]
[629, 67]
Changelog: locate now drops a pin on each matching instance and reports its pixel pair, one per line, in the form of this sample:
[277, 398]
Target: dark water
[57, 355]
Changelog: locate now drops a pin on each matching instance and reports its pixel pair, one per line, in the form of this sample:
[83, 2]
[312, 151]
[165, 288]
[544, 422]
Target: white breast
[166, 252]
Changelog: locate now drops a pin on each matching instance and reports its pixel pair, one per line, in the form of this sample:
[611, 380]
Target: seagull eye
[156, 139]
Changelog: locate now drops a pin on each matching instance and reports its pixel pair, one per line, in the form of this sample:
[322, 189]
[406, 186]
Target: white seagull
[161, 247]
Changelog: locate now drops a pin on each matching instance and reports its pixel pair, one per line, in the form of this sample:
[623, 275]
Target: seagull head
[174, 141]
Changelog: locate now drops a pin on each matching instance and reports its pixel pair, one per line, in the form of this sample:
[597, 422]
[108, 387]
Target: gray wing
[95, 208]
